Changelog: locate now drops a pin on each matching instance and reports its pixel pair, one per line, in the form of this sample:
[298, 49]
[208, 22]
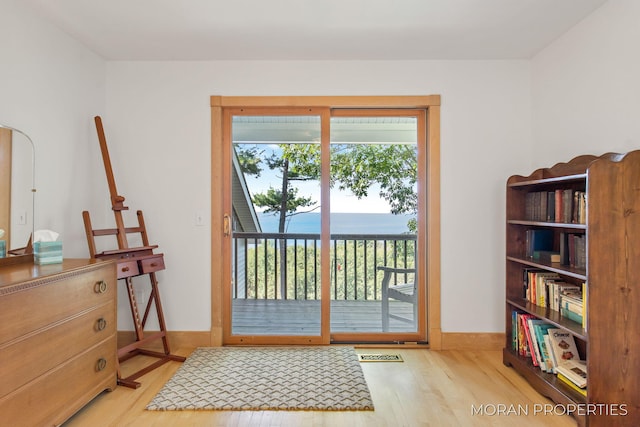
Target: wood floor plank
[430, 388]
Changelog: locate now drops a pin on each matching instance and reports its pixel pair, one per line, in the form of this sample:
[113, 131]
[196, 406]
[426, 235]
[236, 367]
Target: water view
[341, 223]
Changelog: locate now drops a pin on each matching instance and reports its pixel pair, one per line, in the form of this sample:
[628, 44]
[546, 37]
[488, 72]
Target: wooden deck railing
[287, 266]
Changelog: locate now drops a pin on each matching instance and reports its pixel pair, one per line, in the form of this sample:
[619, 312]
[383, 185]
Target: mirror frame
[24, 254]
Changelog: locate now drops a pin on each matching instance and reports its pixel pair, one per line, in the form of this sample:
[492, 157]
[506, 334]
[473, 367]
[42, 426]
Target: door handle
[226, 225]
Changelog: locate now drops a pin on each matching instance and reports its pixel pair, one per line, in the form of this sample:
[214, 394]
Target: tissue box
[3, 248]
[47, 253]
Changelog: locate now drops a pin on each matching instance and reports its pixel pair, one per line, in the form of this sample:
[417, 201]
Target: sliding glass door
[325, 222]
[374, 223]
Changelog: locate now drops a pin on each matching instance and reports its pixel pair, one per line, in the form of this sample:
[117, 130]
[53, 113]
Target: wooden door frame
[227, 337]
[221, 242]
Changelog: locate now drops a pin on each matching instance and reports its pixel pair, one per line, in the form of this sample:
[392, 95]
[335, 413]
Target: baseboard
[472, 341]
[448, 340]
[177, 339]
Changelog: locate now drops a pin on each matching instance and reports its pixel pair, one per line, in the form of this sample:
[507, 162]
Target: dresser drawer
[30, 356]
[37, 304]
[55, 396]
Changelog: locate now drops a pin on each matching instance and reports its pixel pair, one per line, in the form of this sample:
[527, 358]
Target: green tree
[354, 167]
[295, 162]
[394, 167]
[249, 159]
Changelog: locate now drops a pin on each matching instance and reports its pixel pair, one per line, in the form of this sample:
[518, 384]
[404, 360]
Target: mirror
[17, 193]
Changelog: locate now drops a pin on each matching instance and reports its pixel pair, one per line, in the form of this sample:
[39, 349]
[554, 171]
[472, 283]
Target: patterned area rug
[267, 378]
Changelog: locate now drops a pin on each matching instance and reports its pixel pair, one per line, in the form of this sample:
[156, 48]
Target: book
[572, 304]
[526, 281]
[567, 201]
[547, 256]
[582, 208]
[548, 284]
[574, 207]
[552, 356]
[564, 248]
[536, 356]
[580, 243]
[571, 315]
[539, 239]
[514, 330]
[539, 292]
[567, 381]
[556, 290]
[530, 349]
[564, 345]
[551, 206]
[574, 247]
[558, 204]
[575, 370]
[541, 331]
[541, 206]
[523, 345]
[584, 305]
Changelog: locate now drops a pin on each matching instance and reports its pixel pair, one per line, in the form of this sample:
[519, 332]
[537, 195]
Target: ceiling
[314, 29]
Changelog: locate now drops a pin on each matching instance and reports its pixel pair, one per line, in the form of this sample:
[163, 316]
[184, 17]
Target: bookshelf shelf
[551, 316]
[577, 273]
[558, 392]
[568, 226]
[597, 256]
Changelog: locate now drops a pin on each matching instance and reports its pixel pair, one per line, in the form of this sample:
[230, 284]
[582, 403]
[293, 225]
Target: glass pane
[276, 225]
[373, 223]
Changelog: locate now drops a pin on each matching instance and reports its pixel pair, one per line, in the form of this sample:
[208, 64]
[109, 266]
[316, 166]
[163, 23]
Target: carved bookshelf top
[575, 169]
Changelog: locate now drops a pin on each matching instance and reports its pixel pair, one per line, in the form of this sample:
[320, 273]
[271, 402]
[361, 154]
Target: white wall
[158, 128]
[157, 121]
[50, 87]
[579, 95]
[586, 87]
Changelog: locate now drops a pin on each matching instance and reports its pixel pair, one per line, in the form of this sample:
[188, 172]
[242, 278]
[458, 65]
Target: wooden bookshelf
[610, 338]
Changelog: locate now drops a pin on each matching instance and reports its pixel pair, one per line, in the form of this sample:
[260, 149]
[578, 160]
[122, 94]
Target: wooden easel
[131, 262]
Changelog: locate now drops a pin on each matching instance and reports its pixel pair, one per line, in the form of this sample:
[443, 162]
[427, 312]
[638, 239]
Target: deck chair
[405, 292]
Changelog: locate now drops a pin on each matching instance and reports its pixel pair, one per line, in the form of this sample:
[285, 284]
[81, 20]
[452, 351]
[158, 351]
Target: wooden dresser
[57, 339]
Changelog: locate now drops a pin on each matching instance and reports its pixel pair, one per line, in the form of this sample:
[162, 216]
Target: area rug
[326, 378]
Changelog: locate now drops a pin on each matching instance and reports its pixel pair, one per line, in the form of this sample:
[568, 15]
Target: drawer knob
[153, 264]
[101, 324]
[124, 269]
[100, 287]
[101, 364]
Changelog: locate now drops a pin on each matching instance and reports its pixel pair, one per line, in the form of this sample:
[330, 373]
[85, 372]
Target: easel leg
[135, 313]
[154, 299]
[135, 348]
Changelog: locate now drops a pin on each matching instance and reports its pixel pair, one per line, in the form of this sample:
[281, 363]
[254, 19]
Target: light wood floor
[430, 388]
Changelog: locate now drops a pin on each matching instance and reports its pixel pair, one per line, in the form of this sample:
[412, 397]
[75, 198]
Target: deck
[302, 317]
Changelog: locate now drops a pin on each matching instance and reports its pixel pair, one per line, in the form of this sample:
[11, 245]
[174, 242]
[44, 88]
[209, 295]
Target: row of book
[548, 289]
[551, 349]
[572, 247]
[573, 250]
[565, 206]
